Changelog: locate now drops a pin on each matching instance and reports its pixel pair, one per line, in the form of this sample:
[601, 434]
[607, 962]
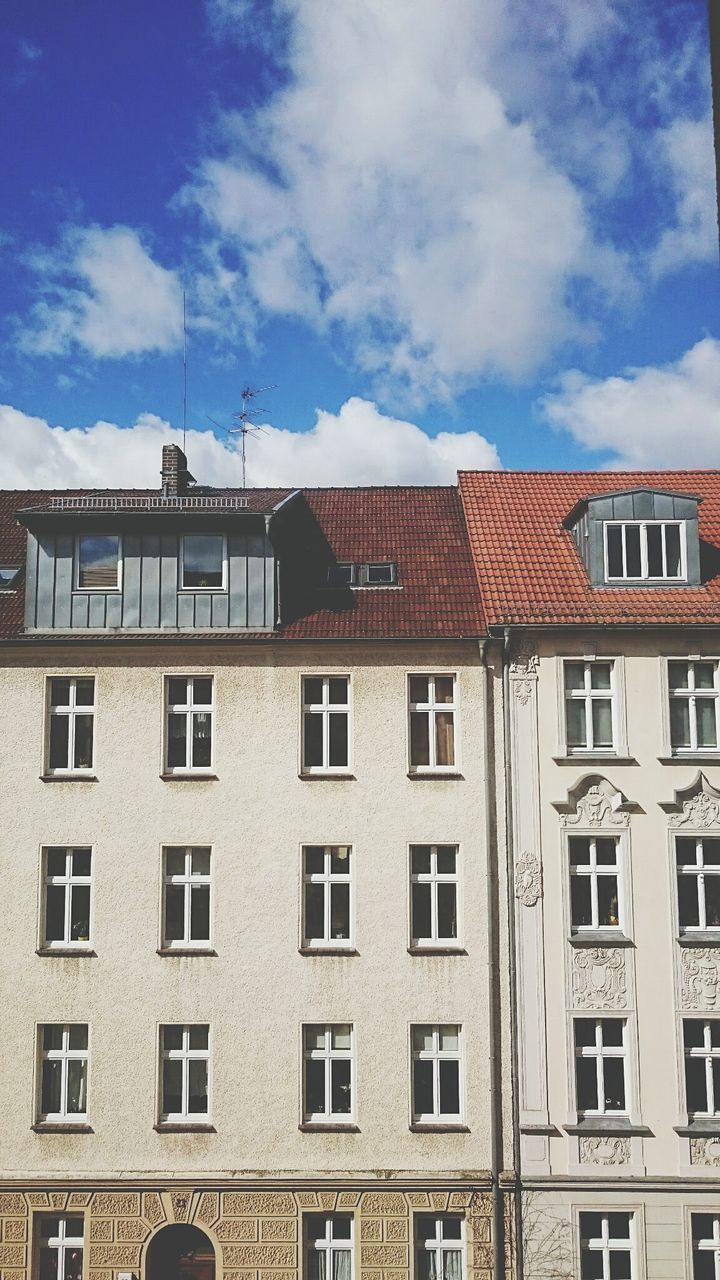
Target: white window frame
[204, 590]
[587, 696]
[188, 880]
[328, 1245]
[326, 709]
[643, 526]
[605, 1244]
[698, 875]
[431, 708]
[690, 695]
[185, 1055]
[71, 710]
[435, 878]
[61, 1243]
[369, 565]
[328, 1055]
[68, 881]
[437, 1244]
[436, 1055]
[705, 1244]
[327, 878]
[189, 708]
[599, 1052]
[592, 872]
[64, 1055]
[708, 1054]
[76, 576]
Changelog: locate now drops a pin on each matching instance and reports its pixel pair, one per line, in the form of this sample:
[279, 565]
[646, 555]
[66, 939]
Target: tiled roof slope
[529, 569]
[422, 529]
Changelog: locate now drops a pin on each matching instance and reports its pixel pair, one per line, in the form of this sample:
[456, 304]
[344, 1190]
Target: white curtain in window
[341, 1264]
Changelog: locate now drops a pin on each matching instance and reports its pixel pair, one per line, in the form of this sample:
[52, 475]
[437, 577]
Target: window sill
[188, 776]
[436, 949]
[621, 1126]
[50, 1126]
[434, 774]
[419, 1126]
[703, 938]
[184, 1126]
[332, 775]
[692, 757]
[186, 951]
[83, 950]
[702, 1127]
[68, 777]
[328, 951]
[601, 938]
[320, 1126]
[600, 757]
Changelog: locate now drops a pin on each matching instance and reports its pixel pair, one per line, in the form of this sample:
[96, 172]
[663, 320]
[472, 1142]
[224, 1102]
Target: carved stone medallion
[600, 1150]
[598, 978]
[528, 879]
[705, 1151]
[700, 977]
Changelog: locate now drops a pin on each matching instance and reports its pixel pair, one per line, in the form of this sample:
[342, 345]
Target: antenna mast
[184, 372]
[244, 419]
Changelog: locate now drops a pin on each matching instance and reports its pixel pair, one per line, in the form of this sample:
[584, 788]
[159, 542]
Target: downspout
[494, 1003]
[515, 1073]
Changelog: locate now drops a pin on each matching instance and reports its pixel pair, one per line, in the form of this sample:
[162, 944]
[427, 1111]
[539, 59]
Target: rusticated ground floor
[230, 1232]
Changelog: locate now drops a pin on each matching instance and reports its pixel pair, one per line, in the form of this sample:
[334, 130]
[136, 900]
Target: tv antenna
[184, 414]
[244, 419]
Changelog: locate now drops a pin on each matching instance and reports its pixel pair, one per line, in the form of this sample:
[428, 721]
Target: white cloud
[358, 445]
[103, 292]
[386, 193]
[686, 150]
[666, 416]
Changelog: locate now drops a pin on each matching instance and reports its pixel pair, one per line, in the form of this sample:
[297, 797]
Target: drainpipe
[509, 845]
[494, 1003]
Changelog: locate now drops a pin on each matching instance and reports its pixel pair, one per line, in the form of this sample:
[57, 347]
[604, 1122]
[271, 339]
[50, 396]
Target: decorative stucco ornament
[523, 671]
[702, 811]
[599, 1150]
[705, 1151]
[528, 879]
[598, 978]
[700, 978]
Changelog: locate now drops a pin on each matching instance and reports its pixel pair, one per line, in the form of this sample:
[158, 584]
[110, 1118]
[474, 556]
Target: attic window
[204, 561]
[98, 562]
[341, 574]
[8, 576]
[381, 574]
[374, 573]
[645, 551]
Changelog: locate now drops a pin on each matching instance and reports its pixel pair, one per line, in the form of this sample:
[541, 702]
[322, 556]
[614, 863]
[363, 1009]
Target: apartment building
[254, 981]
[602, 594]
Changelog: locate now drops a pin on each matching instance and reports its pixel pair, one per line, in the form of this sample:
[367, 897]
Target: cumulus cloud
[358, 445]
[686, 152]
[656, 416]
[104, 293]
[387, 195]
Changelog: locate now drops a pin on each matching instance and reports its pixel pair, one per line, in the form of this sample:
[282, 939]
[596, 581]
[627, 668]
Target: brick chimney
[176, 479]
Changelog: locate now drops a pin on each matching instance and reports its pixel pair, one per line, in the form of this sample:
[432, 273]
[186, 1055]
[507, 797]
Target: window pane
[445, 737]
[716, 1084]
[602, 722]
[174, 862]
[422, 1038]
[446, 860]
[202, 691]
[712, 901]
[50, 1096]
[85, 692]
[55, 913]
[314, 1086]
[76, 1100]
[693, 1033]
[685, 850]
[56, 862]
[203, 560]
[340, 1084]
[200, 913]
[447, 911]
[706, 728]
[314, 911]
[586, 1077]
[703, 1265]
[704, 675]
[619, 1226]
[672, 550]
[580, 900]
[174, 912]
[575, 717]
[654, 551]
[177, 741]
[449, 1039]
[584, 1032]
[574, 675]
[418, 689]
[312, 690]
[579, 851]
[419, 738]
[59, 737]
[444, 689]
[420, 855]
[172, 1037]
[678, 675]
[606, 851]
[201, 862]
[449, 1087]
[600, 675]
[314, 1037]
[339, 859]
[98, 561]
[607, 900]
[620, 1264]
[591, 1265]
[198, 1037]
[702, 1226]
[80, 913]
[711, 851]
[679, 722]
[60, 692]
[338, 754]
[83, 742]
[612, 1031]
[340, 911]
[177, 691]
[78, 1035]
[614, 549]
[614, 1084]
[632, 550]
[312, 740]
[423, 1087]
[198, 1086]
[172, 1086]
[314, 860]
[202, 739]
[421, 918]
[338, 690]
[341, 1036]
[52, 1035]
[340, 1227]
[81, 862]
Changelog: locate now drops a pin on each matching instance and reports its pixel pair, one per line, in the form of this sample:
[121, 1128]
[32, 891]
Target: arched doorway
[180, 1252]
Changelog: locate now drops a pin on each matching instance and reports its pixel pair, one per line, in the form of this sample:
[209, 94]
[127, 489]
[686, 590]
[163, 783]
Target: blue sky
[451, 233]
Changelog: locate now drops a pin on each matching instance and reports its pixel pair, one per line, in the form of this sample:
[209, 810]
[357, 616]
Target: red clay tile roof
[528, 567]
[421, 529]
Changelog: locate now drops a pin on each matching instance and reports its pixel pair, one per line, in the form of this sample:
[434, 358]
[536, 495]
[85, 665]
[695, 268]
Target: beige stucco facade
[247, 1179]
[642, 796]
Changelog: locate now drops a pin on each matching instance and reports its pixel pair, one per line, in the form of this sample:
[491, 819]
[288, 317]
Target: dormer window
[204, 562]
[9, 574]
[380, 574]
[98, 562]
[341, 574]
[645, 551]
[373, 573]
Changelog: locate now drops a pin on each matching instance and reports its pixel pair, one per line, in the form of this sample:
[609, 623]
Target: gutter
[514, 1069]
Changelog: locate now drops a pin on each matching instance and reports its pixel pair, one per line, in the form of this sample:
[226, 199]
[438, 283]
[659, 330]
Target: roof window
[645, 550]
[9, 574]
[373, 573]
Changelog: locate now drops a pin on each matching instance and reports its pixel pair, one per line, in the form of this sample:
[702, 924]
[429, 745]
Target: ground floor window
[328, 1246]
[438, 1247]
[61, 1248]
[706, 1246]
[607, 1250]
